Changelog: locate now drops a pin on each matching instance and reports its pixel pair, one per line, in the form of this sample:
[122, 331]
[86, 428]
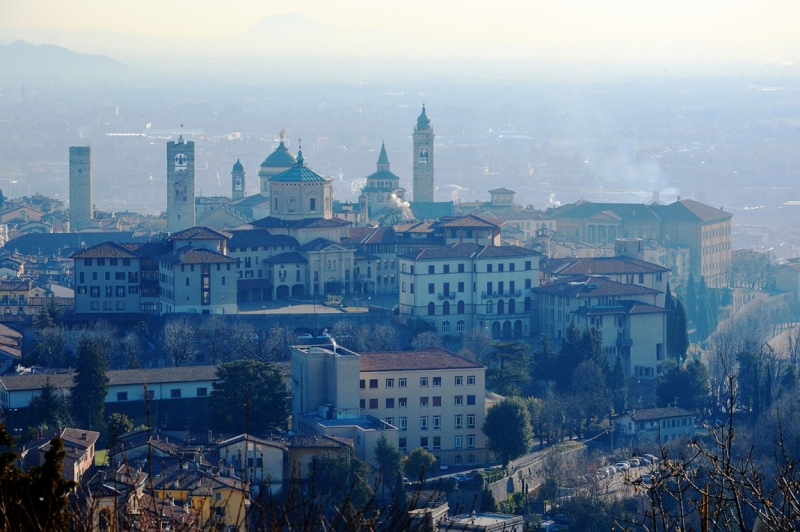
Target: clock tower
[423, 159]
[180, 185]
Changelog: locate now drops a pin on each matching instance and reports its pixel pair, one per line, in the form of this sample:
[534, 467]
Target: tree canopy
[508, 429]
[688, 383]
[49, 408]
[248, 396]
[419, 463]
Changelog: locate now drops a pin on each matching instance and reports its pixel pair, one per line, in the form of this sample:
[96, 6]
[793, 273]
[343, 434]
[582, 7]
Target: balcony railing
[448, 295]
[507, 293]
[624, 342]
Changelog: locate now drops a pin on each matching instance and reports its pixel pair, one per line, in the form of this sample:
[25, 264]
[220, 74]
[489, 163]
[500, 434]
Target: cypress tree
[691, 299]
[678, 337]
[90, 385]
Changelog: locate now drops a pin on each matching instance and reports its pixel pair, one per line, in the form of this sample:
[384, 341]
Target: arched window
[460, 326]
[446, 308]
[512, 306]
[276, 203]
[461, 307]
[501, 307]
[445, 326]
[423, 155]
[528, 303]
[291, 204]
[431, 309]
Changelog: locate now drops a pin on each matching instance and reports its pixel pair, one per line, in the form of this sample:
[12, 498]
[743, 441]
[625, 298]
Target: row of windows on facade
[458, 443]
[716, 265]
[111, 262]
[256, 248]
[711, 233]
[312, 204]
[500, 309]
[716, 248]
[435, 422]
[402, 402]
[174, 393]
[94, 291]
[461, 268]
[501, 288]
[402, 382]
[132, 277]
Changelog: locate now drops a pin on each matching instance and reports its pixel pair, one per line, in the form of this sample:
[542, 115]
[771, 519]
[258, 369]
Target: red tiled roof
[600, 266]
[106, 250]
[428, 358]
[588, 286]
[202, 233]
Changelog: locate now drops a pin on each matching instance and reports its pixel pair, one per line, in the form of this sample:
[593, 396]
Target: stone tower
[423, 159]
[237, 181]
[180, 185]
[80, 187]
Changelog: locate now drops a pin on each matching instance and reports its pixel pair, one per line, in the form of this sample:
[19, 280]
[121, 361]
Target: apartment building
[107, 279]
[434, 397]
[430, 398]
[468, 285]
[704, 230]
[632, 323]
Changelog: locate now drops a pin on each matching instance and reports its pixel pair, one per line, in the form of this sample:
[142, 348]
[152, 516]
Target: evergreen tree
[701, 321]
[617, 383]
[49, 408]
[390, 466]
[90, 385]
[668, 302]
[713, 309]
[544, 364]
[508, 372]
[691, 298]
[591, 347]
[677, 334]
[248, 396]
[568, 357]
[508, 429]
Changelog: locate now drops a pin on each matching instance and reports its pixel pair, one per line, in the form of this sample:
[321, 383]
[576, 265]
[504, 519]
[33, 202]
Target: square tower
[423, 159]
[80, 187]
[180, 185]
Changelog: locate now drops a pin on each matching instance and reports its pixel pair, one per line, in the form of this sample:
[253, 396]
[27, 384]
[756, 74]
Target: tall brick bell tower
[423, 159]
[180, 185]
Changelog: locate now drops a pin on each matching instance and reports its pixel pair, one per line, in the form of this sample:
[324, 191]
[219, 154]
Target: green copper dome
[423, 122]
[280, 158]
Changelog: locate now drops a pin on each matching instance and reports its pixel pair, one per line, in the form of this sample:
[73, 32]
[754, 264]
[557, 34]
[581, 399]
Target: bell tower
[237, 181]
[423, 159]
[180, 185]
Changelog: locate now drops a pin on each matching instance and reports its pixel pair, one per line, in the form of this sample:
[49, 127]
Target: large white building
[469, 285]
[431, 398]
[632, 323]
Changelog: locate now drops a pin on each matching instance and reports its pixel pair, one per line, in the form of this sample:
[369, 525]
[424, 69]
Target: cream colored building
[467, 285]
[431, 398]
[632, 323]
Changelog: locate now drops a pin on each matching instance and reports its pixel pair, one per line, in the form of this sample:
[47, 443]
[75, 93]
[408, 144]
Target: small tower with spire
[237, 181]
[383, 187]
[423, 159]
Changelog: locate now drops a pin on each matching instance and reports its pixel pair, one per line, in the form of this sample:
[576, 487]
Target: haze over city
[497, 264]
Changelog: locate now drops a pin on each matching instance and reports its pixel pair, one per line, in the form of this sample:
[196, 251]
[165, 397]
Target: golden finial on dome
[283, 133]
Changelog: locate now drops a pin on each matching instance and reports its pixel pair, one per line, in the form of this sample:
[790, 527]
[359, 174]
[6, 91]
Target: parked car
[635, 462]
[647, 479]
[442, 467]
[652, 458]
[645, 461]
[622, 466]
[461, 478]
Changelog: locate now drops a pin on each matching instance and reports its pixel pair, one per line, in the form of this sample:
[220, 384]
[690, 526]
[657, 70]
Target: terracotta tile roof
[318, 244]
[111, 250]
[463, 250]
[290, 257]
[429, 358]
[305, 441]
[201, 233]
[470, 220]
[15, 285]
[589, 286]
[271, 221]
[502, 190]
[372, 235]
[259, 237]
[251, 438]
[79, 438]
[116, 377]
[193, 255]
[690, 210]
[599, 266]
[624, 211]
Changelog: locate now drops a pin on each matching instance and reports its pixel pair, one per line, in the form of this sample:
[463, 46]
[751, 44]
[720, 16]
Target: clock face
[180, 162]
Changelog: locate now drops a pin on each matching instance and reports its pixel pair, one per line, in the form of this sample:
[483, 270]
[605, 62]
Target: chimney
[84, 436]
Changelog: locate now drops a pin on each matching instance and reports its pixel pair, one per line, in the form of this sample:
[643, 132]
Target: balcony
[624, 342]
[507, 293]
[448, 295]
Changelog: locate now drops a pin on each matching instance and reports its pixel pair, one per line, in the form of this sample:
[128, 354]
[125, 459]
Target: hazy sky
[725, 30]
